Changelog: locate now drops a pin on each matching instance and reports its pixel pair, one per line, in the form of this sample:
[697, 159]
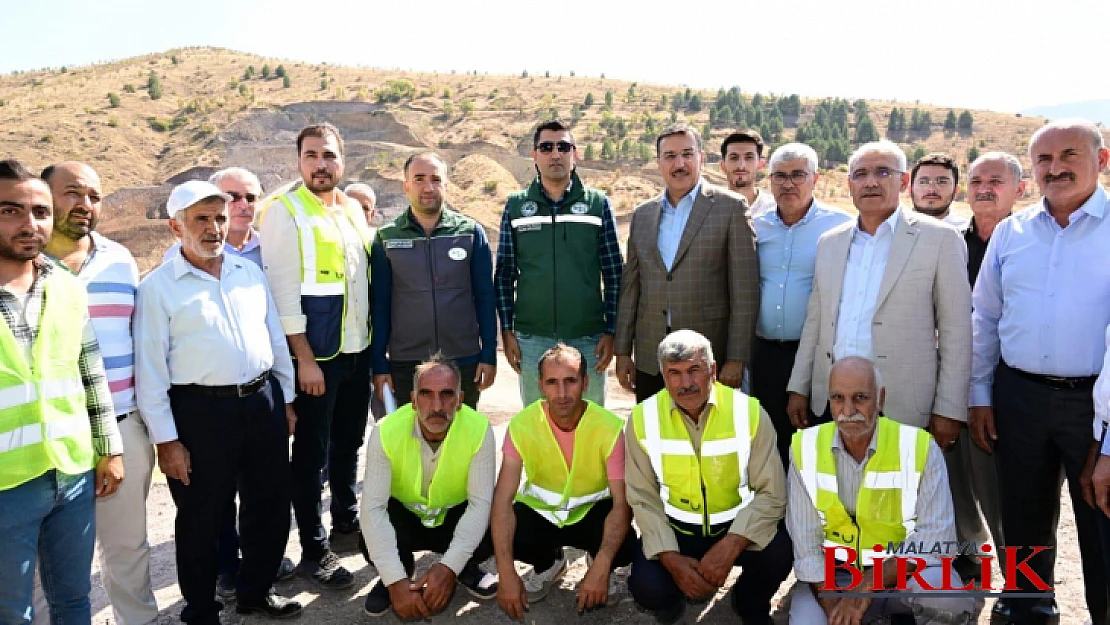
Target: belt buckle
[240, 390]
[1061, 381]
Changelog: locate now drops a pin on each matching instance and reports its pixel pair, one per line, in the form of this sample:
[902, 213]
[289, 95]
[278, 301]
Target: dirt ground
[500, 403]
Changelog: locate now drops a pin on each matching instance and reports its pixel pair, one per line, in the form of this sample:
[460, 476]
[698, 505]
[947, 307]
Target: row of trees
[922, 121]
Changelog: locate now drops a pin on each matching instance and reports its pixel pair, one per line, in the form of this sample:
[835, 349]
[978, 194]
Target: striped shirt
[23, 320]
[112, 277]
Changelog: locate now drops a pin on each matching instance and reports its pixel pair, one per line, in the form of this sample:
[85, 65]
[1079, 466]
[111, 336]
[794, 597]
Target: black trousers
[234, 444]
[648, 385]
[772, 362]
[413, 536]
[336, 419]
[403, 373]
[539, 542]
[1044, 435]
[653, 588]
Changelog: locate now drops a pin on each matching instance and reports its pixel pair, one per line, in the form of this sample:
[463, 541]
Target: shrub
[174, 59]
[323, 84]
[113, 100]
[285, 82]
[589, 101]
[154, 86]
[265, 71]
[247, 75]
[113, 121]
[467, 107]
[396, 90]
[490, 187]
[589, 155]
[158, 124]
[279, 71]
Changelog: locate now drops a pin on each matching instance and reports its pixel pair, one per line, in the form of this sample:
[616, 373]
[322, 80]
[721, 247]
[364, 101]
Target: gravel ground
[500, 403]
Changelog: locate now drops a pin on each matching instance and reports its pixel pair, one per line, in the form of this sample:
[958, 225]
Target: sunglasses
[249, 197]
[547, 146]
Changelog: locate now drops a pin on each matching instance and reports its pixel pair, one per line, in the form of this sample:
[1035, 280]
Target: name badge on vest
[399, 244]
[529, 227]
[456, 253]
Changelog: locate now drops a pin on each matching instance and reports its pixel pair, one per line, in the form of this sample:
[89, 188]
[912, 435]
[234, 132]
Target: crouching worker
[706, 486]
[571, 452]
[864, 480]
[428, 485]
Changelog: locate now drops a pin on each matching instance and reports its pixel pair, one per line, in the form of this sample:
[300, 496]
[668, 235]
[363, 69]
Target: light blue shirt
[672, 222]
[1102, 401]
[1042, 299]
[787, 255]
[252, 250]
[859, 294]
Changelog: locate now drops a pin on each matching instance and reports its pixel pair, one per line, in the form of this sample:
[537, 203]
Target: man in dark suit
[691, 264]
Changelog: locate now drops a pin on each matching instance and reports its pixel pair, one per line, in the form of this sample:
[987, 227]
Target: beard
[11, 249]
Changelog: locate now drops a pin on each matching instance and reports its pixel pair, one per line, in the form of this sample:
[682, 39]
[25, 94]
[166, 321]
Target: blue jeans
[532, 348]
[51, 519]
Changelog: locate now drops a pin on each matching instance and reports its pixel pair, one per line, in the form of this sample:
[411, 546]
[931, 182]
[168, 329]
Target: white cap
[188, 193]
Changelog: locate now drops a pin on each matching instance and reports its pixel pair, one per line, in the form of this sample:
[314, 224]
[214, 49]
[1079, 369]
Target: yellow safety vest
[560, 494]
[448, 487]
[887, 501]
[323, 268]
[710, 488]
[44, 424]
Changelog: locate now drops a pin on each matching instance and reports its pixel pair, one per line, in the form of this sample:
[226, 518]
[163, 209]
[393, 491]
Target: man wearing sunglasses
[892, 287]
[558, 247]
[245, 190]
[934, 182]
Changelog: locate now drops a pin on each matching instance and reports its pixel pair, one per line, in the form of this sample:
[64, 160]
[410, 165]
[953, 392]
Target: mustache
[871, 193]
[689, 390]
[985, 197]
[1067, 175]
[682, 170]
[321, 172]
[853, 418]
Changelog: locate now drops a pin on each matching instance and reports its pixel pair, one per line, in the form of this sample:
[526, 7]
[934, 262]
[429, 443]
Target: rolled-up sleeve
[281, 260]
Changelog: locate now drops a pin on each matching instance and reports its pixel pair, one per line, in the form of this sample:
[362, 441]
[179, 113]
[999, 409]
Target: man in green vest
[60, 446]
[864, 480]
[707, 488]
[559, 266]
[428, 486]
[572, 452]
[315, 244]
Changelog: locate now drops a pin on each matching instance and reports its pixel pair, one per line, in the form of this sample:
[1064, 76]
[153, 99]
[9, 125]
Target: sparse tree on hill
[918, 154]
[174, 59]
[966, 121]
[626, 148]
[575, 113]
[467, 107]
[247, 75]
[608, 99]
[589, 100]
[154, 86]
[323, 84]
[113, 100]
[266, 71]
[279, 71]
[589, 155]
[694, 105]
[524, 74]
[129, 88]
[706, 130]
[865, 131]
[950, 120]
[286, 82]
[608, 150]
[972, 154]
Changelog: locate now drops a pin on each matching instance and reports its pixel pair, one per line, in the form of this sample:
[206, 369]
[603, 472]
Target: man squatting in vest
[427, 487]
[315, 243]
[59, 441]
[707, 489]
[431, 271]
[864, 480]
[572, 453]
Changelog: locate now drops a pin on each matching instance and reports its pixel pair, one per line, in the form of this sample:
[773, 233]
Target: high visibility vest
[448, 487]
[887, 500]
[710, 488]
[323, 268]
[560, 494]
[44, 424]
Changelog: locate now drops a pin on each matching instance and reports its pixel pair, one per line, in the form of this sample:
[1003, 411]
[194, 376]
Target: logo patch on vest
[580, 208]
[403, 244]
[456, 253]
[529, 209]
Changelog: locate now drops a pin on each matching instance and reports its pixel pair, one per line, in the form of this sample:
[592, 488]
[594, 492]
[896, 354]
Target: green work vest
[44, 424]
[887, 500]
[560, 494]
[448, 487]
[323, 268]
[709, 488]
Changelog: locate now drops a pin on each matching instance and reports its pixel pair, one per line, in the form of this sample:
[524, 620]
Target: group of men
[766, 337]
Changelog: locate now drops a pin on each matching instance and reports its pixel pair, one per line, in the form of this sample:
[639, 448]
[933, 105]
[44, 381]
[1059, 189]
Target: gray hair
[883, 146]
[241, 173]
[1011, 161]
[847, 360]
[362, 187]
[682, 345]
[792, 151]
[1088, 128]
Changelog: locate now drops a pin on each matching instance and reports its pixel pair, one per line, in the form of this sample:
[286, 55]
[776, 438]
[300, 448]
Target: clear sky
[996, 54]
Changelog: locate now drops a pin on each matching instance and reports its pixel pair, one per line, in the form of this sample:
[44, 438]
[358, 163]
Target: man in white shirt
[214, 384]
[741, 160]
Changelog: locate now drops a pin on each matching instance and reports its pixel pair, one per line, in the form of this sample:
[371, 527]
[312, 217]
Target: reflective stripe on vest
[729, 434]
[448, 487]
[44, 423]
[308, 228]
[896, 465]
[582, 484]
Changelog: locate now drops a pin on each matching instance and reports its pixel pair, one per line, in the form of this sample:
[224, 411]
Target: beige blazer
[921, 332]
[713, 287]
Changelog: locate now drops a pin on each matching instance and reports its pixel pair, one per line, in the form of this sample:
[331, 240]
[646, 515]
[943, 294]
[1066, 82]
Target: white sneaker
[537, 585]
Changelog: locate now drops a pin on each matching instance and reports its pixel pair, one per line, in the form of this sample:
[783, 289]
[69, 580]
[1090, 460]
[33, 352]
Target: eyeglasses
[546, 147]
[882, 173]
[236, 196]
[940, 181]
[797, 177]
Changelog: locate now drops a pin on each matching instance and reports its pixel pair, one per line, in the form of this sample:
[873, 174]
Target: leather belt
[778, 343]
[231, 390]
[1059, 383]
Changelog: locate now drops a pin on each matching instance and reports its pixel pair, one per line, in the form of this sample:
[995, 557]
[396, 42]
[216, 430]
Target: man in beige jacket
[891, 287]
